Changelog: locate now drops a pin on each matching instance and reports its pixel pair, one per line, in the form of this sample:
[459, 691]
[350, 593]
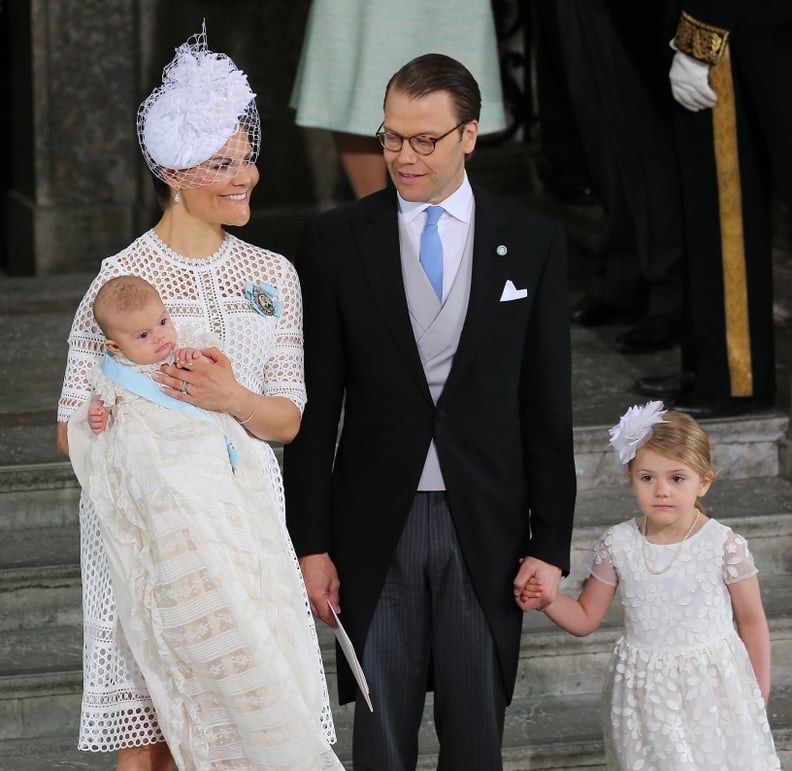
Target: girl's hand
[98, 415]
[542, 578]
[532, 592]
[533, 589]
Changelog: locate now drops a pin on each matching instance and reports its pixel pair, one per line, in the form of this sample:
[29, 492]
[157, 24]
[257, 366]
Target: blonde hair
[118, 295]
[680, 437]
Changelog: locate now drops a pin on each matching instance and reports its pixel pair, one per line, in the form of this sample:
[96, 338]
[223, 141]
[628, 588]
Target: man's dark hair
[436, 72]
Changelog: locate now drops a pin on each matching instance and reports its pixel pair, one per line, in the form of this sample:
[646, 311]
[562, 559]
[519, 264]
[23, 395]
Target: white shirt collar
[459, 204]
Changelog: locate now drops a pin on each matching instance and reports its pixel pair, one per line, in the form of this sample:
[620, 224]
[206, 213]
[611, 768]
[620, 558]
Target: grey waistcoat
[437, 329]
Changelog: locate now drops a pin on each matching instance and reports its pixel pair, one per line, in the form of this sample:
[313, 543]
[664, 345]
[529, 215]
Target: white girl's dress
[680, 692]
[210, 591]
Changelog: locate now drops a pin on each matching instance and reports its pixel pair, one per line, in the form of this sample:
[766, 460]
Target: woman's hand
[207, 382]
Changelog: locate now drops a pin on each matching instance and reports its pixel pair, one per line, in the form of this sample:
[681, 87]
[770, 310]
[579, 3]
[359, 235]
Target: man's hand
[536, 584]
[322, 584]
[98, 415]
[690, 83]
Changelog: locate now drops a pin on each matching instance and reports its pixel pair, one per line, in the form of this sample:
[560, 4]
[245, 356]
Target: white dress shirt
[453, 227]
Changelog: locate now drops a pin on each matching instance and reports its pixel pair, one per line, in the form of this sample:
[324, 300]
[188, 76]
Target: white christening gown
[276, 624]
[206, 588]
[680, 694]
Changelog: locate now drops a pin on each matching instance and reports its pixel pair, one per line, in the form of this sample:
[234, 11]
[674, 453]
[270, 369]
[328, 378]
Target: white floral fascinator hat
[204, 104]
[634, 429]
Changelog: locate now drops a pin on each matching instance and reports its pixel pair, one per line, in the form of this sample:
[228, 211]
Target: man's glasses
[422, 144]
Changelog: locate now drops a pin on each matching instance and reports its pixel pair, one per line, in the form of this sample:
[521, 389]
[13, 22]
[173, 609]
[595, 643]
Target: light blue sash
[148, 389]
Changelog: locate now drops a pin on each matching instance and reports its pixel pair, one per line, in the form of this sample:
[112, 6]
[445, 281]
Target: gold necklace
[654, 571]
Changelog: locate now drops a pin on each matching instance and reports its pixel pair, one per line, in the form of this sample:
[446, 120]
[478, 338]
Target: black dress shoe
[666, 386]
[591, 312]
[702, 407]
[653, 333]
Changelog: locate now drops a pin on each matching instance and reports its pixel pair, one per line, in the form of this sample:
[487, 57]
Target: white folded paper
[349, 652]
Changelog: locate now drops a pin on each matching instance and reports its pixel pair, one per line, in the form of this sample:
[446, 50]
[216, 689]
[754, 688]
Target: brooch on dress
[263, 298]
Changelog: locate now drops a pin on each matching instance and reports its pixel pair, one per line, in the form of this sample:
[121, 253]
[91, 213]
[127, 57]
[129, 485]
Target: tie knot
[433, 214]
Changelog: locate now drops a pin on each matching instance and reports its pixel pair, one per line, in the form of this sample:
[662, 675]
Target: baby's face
[144, 336]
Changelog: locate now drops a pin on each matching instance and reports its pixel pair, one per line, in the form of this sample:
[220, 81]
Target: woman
[199, 133]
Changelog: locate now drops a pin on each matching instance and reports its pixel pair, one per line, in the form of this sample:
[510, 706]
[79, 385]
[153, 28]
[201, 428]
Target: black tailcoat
[502, 425]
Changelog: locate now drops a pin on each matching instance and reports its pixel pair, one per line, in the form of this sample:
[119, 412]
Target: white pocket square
[510, 292]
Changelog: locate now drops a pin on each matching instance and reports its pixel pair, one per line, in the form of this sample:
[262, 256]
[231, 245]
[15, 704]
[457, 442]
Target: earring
[177, 196]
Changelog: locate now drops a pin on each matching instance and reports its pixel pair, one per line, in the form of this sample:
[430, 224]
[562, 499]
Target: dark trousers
[428, 623]
[626, 130]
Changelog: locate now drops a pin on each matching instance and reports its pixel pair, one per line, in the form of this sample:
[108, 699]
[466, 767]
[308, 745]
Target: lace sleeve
[284, 374]
[600, 562]
[738, 562]
[86, 347]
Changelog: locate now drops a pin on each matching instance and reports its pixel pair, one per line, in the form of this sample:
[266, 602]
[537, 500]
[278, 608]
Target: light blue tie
[432, 250]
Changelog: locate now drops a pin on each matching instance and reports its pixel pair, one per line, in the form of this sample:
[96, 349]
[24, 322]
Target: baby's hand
[184, 357]
[98, 415]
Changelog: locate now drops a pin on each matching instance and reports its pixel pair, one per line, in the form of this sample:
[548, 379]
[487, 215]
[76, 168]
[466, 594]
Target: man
[619, 88]
[733, 125]
[455, 460]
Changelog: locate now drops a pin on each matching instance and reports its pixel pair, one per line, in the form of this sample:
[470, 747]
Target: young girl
[684, 690]
[208, 590]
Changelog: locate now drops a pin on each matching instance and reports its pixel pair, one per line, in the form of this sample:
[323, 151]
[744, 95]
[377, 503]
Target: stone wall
[79, 190]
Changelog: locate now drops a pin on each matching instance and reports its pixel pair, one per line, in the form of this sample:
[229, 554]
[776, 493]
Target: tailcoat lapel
[377, 234]
[486, 283]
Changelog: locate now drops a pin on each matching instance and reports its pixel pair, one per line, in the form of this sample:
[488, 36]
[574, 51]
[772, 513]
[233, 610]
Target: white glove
[690, 83]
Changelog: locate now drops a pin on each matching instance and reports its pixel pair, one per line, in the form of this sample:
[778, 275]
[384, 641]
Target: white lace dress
[680, 692]
[266, 353]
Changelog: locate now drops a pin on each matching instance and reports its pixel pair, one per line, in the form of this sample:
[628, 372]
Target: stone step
[555, 663]
[746, 448]
[39, 550]
[544, 733]
[40, 596]
[39, 566]
[758, 509]
[35, 477]
[40, 668]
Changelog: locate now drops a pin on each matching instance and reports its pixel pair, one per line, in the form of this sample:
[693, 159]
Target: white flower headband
[635, 429]
[203, 106]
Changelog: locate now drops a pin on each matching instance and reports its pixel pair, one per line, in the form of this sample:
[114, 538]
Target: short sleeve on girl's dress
[600, 563]
[738, 562]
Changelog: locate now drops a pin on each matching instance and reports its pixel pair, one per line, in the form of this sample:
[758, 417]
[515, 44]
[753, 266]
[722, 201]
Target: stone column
[264, 39]
[74, 168]
[79, 69]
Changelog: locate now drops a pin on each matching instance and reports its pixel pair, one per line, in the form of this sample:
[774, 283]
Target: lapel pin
[501, 250]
